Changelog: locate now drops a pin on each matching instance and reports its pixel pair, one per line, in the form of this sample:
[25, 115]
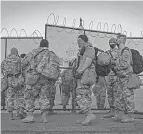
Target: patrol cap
[112, 41]
[44, 43]
[14, 51]
[83, 37]
[121, 35]
[22, 55]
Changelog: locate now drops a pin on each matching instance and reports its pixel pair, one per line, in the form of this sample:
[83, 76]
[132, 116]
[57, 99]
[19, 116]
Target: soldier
[20, 96]
[67, 85]
[124, 97]
[11, 68]
[111, 79]
[37, 84]
[83, 91]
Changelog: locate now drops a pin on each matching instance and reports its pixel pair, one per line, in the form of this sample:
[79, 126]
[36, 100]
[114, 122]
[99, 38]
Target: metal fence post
[5, 47]
[73, 97]
[45, 31]
[84, 32]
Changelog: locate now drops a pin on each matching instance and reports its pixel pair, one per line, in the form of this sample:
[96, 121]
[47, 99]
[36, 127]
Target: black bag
[137, 60]
[101, 70]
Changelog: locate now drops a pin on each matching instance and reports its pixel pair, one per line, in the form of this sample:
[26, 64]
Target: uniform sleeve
[2, 67]
[26, 60]
[125, 61]
[89, 52]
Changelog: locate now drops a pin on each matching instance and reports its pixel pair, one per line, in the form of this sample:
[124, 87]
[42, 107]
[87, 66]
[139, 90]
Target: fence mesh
[64, 42]
[23, 45]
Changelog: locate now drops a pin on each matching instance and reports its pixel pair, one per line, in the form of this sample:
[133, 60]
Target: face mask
[112, 46]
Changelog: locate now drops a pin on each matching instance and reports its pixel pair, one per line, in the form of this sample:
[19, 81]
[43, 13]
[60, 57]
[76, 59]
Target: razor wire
[19, 39]
[35, 34]
[102, 30]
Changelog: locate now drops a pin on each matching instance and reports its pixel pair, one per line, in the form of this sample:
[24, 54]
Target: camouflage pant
[42, 89]
[14, 94]
[112, 85]
[101, 92]
[124, 97]
[83, 99]
[66, 89]
[65, 99]
[52, 95]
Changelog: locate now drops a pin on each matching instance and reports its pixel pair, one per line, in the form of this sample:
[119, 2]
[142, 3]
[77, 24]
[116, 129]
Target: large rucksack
[48, 65]
[137, 61]
[12, 64]
[101, 70]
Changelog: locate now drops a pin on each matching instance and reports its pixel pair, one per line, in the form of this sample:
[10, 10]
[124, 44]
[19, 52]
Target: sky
[33, 15]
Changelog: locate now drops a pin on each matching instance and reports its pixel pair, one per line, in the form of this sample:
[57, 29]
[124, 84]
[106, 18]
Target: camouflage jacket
[123, 64]
[29, 62]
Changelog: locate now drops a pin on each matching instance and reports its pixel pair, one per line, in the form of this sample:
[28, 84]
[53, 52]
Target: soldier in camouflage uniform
[124, 98]
[111, 79]
[83, 91]
[41, 88]
[67, 85]
[12, 91]
[20, 96]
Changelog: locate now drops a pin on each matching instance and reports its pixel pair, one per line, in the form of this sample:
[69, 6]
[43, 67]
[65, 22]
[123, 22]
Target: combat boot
[51, 112]
[110, 114]
[17, 112]
[81, 112]
[128, 118]
[10, 116]
[22, 114]
[44, 117]
[64, 108]
[119, 115]
[29, 118]
[89, 118]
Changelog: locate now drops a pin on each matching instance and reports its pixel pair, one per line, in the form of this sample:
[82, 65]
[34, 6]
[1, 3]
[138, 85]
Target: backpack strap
[36, 56]
[82, 51]
[109, 52]
[126, 48]
[39, 53]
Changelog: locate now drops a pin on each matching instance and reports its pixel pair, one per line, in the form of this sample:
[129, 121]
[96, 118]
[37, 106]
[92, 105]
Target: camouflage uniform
[112, 84]
[11, 96]
[112, 81]
[20, 102]
[124, 96]
[101, 92]
[20, 96]
[83, 91]
[42, 88]
[12, 92]
[66, 93]
[52, 94]
[66, 85]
